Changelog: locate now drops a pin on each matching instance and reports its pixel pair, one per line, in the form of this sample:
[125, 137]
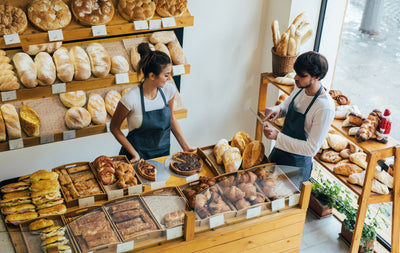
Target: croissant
[243, 203]
[233, 193]
[249, 190]
[228, 181]
[259, 199]
[269, 188]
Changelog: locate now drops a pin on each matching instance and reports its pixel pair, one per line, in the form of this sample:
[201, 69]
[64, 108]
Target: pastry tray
[69, 200]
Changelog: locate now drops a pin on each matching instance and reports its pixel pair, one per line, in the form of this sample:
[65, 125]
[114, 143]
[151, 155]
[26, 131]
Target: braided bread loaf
[369, 126]
[8, 80]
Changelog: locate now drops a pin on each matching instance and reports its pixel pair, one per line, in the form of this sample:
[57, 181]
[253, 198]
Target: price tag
[253, 212]
[99, 30]
[46, 139]
[168, 22]
[55, 35]
[108, 126]
[115, 194]
[217, 220]
[141, 25]
[126, 246]
[10, 39]
[192, 178]
[136, 189]
[8, 95]
[157, 185]
[85, 202]
[294, 199]
[278, 204]
[16, 144]
[155, 24]
[58, 88]
[121, 78]
[178, 70]
[174, 232]
[68, 135]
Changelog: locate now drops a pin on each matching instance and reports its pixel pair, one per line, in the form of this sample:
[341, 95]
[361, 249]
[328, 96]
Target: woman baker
[309, 112]
[148, 108]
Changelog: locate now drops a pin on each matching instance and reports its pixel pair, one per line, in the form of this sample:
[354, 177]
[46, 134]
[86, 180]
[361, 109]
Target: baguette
[283, 44]
[300, 18]
[276, 35]
[292, 49]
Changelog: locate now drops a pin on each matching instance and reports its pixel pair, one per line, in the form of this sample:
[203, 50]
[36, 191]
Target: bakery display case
[373, 150]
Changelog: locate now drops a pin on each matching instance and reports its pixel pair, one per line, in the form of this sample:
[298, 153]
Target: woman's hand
[135, 157]
[191, 149]
[270, 132]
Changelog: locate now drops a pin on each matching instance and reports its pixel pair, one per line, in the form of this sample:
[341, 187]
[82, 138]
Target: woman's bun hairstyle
[151, 61]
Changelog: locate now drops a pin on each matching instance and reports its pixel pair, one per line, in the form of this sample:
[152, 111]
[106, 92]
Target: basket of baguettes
[287, 46]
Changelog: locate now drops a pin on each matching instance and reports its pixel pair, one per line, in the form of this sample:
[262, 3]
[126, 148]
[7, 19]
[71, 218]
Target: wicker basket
[281, 65]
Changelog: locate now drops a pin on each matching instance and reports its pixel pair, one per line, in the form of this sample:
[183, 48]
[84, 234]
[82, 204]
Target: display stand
[375, 151]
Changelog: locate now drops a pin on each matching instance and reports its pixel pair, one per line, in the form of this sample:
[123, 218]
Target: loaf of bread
[345, 153]
[163, 37]
[119, 65]
[45, 47]
[136, 9]
[100, 61]
[11, 121]
[46, 70]
[111, 100]
[97, 109]
[73, 98]
[240, 140]
[337, 142]
[168, 8]
[135, 58]
[163, 48]
[49, 14]
[13, 20]
[353, 130]
[232, 159]
[253, 154]
[93, 12]
[77, 118]
[176, 52]
[359, 158]
[81, 63]
[358, 179]
[8, 80]
[346, 169]
[26, 69]
[30, 121]
[369, 126]
[3, 135]
[219, 150]
[330, 156]
[276, 35]
[64, 65]
[355, 118]
[281, 49]
[384, 177]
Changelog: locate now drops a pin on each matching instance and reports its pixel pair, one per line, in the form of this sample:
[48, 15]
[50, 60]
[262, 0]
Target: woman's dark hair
[151, 61]
[312, 63]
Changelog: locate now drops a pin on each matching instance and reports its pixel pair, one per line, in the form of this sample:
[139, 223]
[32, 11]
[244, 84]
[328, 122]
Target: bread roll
[358, 178]
[219, 150]
[11, 121]
[46, 70]
[30, 121]
[3, 136]
[359, 158]
[164, 37]
[100, 61]
[81, 63]
[346, 169]
[119, 65]
[176, 52]
[345, 153]
[232, 159]
[253, 154]
[241, 140]
[330, 156]
[163, 48]
[77, 118]
[73, 98]
[111, 100]
[26, 69]
[64, 65]
[97, 109]
[337, 142]
[45, 47]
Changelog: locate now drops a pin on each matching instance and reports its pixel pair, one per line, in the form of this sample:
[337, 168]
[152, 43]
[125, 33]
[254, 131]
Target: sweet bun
[253, 154]
[77, 118]
[219, 150]
[241, 140]
[342, 100]
[119, 65]
[136, 9]
[30, 121]
[73, 98]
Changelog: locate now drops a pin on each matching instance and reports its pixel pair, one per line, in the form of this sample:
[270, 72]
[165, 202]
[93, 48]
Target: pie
[186, 163]
[146, 170]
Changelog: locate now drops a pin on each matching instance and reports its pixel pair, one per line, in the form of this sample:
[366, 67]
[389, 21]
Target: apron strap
[163, 96]
[315, 97]
[292, 102]
[142, 97]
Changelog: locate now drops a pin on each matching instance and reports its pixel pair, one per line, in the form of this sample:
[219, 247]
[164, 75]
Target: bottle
[386, 123]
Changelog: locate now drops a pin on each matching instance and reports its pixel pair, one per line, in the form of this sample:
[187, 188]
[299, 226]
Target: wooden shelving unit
[374, 150]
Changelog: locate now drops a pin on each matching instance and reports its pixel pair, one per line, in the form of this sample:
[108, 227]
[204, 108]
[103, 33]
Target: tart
[146, 170]
[186, 163]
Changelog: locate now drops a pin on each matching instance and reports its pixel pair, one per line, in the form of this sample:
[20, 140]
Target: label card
[157, 185]
[121, 78]
[99, 30]
[58, 88]
[141, 25]
[294, 199]
[136, 189]
[253, 212]
[174, 232]
[178, 70]
[126, 246]
[85, 202]
[55, 35]
[68, 135]
[192, 178]
[46, 139]
[115, 194]
[155, 24]
[16, 144]
[108, 126]
[217, 220]
[10, 39]
[8, 95]
[278, 204]
[168, 22]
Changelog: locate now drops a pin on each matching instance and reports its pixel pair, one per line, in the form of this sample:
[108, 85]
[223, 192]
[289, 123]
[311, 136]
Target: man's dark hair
[312, 63]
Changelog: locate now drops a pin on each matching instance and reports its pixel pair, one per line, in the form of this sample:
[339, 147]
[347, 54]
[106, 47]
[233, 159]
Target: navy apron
[294, 127]
[152, 138]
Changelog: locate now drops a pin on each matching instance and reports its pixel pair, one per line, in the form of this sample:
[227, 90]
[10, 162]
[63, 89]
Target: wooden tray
[70, 202]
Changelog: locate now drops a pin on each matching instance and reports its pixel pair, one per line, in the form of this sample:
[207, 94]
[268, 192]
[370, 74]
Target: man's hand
[272, 113]
[270, 132]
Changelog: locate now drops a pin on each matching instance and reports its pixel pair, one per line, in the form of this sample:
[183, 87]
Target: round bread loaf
[13, 20]
[97, 109]
[49, 14]
[241, 140]
[77, 118]
[171, 8]
[93, 12]
[119, 65]
[73, 98]
[136, 9]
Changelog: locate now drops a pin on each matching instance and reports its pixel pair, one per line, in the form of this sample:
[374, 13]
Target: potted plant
[323, 196]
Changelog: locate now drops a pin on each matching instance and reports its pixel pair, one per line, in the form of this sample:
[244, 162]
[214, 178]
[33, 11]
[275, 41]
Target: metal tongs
[258, 117]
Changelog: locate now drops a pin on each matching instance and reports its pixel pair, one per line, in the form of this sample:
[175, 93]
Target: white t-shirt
[316, 125]
[131, 100]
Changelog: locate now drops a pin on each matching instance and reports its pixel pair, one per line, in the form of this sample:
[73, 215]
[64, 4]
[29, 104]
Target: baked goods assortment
[93, 12]
[136, 9]
[13, 20]
[49, 14]
[186, 163]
